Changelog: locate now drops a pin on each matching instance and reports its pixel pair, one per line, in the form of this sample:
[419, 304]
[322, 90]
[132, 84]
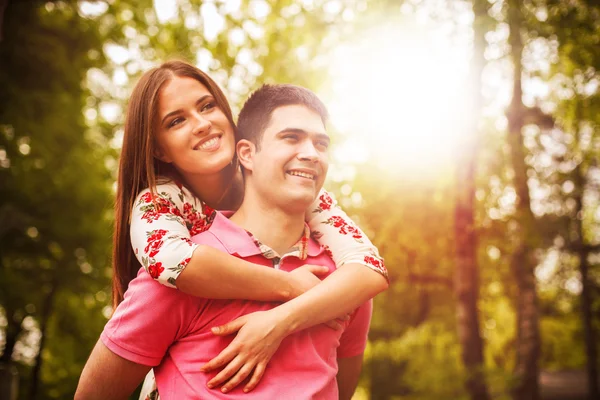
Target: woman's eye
[208, 106]
[176, 121]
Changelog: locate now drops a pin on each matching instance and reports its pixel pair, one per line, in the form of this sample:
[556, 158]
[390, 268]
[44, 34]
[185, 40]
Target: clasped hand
[259, 335]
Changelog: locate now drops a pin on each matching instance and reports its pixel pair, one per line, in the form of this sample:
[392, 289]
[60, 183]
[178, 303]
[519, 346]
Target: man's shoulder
[214, 236]
[144, 283]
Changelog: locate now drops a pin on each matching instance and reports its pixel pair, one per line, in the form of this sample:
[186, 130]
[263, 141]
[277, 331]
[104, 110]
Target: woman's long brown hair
[138, 168]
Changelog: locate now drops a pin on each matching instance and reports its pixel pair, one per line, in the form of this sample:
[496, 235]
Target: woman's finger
[227, 372]
[334, 324]
[256, 377]
[317, 270]
[225, 356]
[230, 327]
[238, 378]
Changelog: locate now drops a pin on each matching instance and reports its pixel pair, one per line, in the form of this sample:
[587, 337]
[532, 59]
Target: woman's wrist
[287, 320]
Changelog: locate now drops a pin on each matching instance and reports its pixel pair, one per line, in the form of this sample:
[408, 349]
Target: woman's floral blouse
[163, 223]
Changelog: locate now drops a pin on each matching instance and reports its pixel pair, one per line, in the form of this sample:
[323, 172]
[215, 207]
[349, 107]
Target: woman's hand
[259, 336]
[304, 278]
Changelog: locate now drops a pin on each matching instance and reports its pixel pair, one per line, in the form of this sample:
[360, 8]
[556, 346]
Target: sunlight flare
[401, 94]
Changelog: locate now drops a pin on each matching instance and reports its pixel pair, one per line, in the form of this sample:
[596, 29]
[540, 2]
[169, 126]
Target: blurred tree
[466, 270]
[579, 62]
[60, 113]
[55, 188]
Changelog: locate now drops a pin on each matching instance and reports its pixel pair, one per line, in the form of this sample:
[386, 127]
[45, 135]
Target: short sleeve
[354, 339]
[148, 320]
[341, 238]
[162, 223]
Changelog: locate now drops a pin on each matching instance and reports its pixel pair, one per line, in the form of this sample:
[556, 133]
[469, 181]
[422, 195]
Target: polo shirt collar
[240, 242]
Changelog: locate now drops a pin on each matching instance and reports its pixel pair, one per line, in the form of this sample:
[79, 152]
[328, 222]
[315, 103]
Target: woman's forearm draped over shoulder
[345, 242]
[161, 227]
[361, 273]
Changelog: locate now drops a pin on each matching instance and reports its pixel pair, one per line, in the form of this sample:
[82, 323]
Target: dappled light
[464, 142]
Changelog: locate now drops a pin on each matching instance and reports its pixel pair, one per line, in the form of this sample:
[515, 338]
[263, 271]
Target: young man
[283, 150]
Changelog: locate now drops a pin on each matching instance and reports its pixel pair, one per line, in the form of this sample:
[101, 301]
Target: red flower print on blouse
[344, 227]
[196, 221]
[155, 206]
[155, 270]
[376, 263]
[328, 251]
[154, 242]
[325, 203]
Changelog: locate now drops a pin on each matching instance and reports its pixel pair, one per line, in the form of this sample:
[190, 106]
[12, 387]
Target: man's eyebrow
[321, 136]
[200, 100]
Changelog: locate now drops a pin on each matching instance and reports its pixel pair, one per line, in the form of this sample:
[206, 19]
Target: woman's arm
[361, 273]
[338, 234]
[215, 274]
[360, 276]
[161, 227]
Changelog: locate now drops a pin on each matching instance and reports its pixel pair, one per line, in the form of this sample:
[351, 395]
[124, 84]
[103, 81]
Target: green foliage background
[59, 150]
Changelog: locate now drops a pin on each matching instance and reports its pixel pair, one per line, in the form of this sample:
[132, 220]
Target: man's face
[290, 167]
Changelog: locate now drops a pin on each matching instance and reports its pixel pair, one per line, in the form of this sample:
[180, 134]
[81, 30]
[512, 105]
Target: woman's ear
[245, 151]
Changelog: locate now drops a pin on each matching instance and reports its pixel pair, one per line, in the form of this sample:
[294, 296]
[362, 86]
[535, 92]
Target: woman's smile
[209, 143]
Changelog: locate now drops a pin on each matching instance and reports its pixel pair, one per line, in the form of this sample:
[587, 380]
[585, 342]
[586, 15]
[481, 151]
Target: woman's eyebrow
[200, 100]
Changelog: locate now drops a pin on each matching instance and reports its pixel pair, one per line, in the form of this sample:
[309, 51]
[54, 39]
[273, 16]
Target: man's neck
[273, 226]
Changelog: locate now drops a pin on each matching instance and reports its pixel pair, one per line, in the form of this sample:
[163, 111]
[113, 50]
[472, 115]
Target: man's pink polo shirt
[169, 330]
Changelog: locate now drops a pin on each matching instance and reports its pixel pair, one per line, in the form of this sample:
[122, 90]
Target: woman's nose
[202, 125]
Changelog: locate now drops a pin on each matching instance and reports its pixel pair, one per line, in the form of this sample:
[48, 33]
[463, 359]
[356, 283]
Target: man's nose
[308, 152]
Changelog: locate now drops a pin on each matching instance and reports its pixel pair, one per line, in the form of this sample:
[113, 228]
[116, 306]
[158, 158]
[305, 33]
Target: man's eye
[291, 137]
[175, 121]
[208, 106]
[323, 144]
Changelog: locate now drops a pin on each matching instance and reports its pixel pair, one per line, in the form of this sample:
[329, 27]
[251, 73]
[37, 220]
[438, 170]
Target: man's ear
[245, 152]
[158, 153]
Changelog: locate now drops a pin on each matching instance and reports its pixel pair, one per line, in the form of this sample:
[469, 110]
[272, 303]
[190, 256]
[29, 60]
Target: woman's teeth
[209, 143]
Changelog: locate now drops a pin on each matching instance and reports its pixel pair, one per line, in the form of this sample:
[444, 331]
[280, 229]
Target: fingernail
[245, 390]
[215, 330]
[210, 385]
[224, 390]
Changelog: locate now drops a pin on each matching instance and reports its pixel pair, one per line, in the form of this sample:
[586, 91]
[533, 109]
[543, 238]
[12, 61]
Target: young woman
[163, 200]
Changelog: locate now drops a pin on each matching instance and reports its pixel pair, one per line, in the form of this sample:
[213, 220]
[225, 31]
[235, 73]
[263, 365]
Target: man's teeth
[302, 174]
[208, 143]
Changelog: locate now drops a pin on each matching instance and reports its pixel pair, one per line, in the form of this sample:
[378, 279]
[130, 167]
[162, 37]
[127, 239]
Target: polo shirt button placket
[276, 262]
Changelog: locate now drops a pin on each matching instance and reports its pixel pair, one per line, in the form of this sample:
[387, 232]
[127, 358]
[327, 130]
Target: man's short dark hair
[256, 113]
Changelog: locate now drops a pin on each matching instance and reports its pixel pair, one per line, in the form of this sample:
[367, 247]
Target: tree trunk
[13, 330]
[44, 317]
[3, 4]
[523, 262]
[586, 300]
[466, 276]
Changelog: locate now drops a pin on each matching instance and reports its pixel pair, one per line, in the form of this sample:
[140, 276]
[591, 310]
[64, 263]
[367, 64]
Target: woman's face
[193, 132]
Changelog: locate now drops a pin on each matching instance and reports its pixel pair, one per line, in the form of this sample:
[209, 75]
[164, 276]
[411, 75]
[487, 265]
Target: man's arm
[348, 374]
[108, 376]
